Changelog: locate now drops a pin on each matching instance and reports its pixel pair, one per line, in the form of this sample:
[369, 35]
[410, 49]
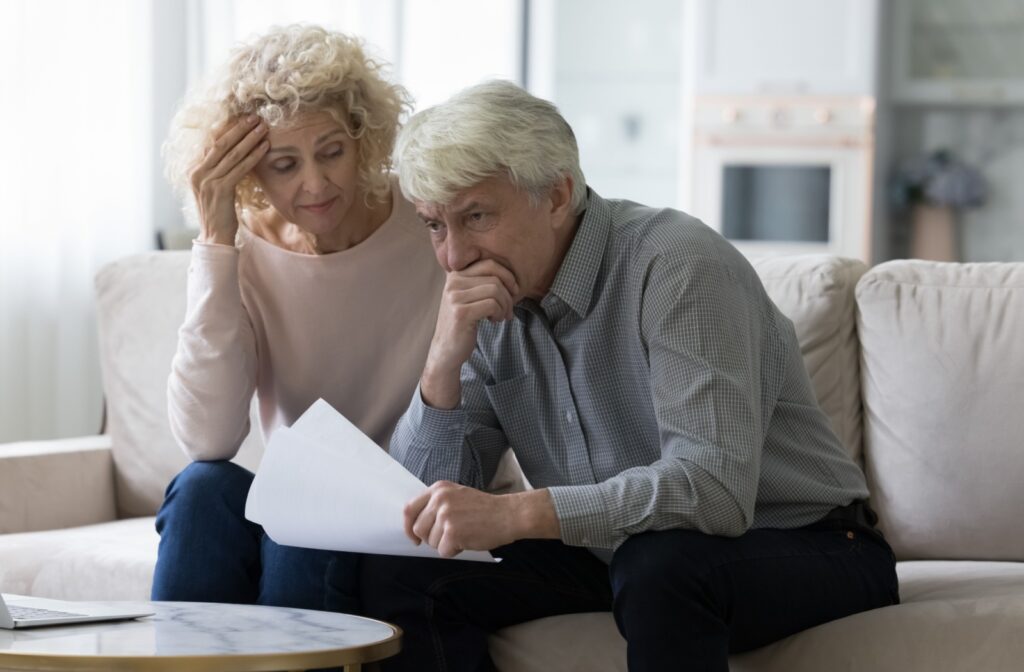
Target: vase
[933, 233]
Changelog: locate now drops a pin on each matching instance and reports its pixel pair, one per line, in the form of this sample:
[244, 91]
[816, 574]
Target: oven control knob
[779, 117]
[822, 115]
[730, 115]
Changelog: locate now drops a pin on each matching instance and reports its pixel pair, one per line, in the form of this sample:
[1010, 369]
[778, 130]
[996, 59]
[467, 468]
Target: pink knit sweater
[352, 327]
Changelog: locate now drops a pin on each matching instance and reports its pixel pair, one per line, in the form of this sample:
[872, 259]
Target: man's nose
[460, 251]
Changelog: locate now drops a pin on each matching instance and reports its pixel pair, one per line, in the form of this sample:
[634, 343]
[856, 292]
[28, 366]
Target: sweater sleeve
[213, 374]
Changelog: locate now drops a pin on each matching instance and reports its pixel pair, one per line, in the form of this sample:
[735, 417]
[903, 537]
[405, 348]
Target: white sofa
[920, 366]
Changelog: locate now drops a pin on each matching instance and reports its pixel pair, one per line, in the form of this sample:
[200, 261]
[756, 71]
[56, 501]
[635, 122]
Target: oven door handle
[839, 142]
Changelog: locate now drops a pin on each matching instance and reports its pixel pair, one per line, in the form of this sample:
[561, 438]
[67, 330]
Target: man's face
[494, 220]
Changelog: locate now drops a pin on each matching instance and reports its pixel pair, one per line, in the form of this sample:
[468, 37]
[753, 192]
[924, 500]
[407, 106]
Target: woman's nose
[313, 179]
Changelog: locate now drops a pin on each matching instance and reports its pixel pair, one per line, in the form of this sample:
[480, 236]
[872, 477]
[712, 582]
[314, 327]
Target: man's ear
[561, 200]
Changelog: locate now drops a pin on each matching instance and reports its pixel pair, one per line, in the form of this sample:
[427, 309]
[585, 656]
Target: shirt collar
[574, 283]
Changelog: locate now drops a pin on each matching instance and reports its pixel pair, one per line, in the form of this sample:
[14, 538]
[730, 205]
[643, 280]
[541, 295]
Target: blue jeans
[209, 552]
[681, 599]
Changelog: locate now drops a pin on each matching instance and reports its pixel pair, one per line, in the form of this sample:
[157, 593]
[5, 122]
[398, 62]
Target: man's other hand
[453, 518]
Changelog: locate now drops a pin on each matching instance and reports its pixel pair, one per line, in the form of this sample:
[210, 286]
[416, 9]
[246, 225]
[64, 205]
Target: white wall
[447, 45]
[616, 75]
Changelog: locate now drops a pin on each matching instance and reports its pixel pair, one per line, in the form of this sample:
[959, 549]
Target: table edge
[250, 662]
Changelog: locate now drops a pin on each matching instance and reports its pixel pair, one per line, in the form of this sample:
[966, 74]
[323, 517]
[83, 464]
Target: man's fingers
[448, 547]
[412, 512]
[424, 526]
[435, 533]
[498, 302]
[466, 315]
[490, 267]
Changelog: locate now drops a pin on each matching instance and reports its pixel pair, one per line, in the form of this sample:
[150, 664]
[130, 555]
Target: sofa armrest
[46, 485]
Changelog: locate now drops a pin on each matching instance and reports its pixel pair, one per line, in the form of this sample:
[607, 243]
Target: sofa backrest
[140, 303]
[943, 387]
[816, 293]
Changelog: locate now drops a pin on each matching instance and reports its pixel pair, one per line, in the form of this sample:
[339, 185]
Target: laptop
[19, 611]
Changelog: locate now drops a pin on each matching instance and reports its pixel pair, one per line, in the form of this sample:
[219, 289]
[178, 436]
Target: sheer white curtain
[86, 91]
[435, 47]
[75, 174]
[217, 25]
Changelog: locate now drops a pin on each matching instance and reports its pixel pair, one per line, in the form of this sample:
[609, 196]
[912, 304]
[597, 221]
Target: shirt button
[568, 416]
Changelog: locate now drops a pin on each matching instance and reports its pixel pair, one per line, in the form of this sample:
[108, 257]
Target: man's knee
[384, 581]
[664, 573]
[654, 557]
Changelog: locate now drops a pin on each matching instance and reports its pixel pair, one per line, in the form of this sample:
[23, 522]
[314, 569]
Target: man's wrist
[441, 389]
[533, 515]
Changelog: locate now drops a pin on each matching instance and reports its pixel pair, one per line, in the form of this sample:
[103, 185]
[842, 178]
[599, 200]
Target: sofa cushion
[816, 293]
[109, 561]
[140, 303]
[943, 374]
[968, 612]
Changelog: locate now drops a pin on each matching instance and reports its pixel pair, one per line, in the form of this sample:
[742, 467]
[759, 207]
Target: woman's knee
[204, 477]
[208, 486]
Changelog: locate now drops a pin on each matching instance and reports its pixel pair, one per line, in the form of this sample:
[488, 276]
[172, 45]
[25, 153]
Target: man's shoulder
[650, 234]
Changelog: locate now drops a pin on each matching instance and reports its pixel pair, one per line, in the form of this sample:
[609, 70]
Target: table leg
[354, 667]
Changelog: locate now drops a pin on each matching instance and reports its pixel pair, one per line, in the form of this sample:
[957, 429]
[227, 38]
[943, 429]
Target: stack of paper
[324, 484]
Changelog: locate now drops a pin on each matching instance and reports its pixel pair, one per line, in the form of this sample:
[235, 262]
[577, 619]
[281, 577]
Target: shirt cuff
[583, 515]
[432, 429]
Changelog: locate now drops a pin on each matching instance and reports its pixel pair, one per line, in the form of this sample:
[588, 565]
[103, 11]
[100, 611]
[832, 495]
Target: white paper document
[324, 484]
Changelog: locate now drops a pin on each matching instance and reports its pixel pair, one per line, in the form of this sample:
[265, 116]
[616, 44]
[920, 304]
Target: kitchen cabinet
[951, 52]
[785, 47]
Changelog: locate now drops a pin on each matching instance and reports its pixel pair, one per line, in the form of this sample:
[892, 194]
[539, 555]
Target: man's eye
[479, 221]
[435, 227]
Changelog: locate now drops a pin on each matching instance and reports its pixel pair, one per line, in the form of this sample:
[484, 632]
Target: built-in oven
[785, 175]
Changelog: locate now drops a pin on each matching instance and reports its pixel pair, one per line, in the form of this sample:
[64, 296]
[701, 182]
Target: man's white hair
[486, 130]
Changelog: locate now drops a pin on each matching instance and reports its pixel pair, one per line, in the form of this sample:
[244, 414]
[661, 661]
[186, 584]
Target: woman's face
[310, 172]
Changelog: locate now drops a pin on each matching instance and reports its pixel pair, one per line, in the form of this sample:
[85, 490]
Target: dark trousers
[209, 552]
[683, 600]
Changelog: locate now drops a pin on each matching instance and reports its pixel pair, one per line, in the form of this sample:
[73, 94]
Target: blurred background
[874, 129]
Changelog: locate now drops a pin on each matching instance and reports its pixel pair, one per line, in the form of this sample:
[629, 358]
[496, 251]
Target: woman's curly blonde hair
[291, 70]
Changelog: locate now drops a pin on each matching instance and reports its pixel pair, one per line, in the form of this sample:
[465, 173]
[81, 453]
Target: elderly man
[684, 475]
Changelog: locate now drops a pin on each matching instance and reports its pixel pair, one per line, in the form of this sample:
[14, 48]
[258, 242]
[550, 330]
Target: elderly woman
[311, 277]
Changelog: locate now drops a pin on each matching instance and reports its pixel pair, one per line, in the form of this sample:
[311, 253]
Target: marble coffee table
[202, 637]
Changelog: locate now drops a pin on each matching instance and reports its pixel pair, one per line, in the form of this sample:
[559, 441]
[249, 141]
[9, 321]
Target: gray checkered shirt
[656, 386]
